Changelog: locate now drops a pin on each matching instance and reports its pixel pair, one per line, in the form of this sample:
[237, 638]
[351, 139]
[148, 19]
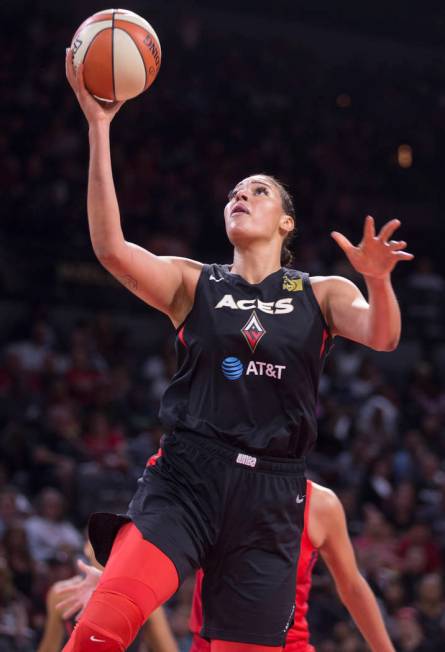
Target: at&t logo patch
[232, 368]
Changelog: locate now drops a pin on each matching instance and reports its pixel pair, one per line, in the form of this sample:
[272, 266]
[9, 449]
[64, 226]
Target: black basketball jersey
[249, 362]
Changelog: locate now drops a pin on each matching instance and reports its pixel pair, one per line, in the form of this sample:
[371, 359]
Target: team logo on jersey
[279, 307]
[233, 369]
[292, 284]
[253, 331]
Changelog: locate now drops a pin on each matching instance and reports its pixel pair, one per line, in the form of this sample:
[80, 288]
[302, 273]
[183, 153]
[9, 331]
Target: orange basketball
[121, 54]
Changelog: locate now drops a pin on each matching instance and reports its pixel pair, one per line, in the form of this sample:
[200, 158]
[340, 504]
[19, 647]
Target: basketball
[121, 54]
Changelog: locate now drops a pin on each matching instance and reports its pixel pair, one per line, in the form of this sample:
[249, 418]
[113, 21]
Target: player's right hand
[94, 111]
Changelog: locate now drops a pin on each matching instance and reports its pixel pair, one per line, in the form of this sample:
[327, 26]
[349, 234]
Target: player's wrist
[378, 279]
[99, 124]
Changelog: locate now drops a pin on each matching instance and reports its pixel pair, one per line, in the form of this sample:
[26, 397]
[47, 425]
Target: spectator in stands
[410, 636]
[18, 557]
[15, 635]
[430, 606]
[48, 531]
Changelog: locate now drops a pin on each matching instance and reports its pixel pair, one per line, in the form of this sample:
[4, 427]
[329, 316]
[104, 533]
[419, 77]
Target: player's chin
[238, 234]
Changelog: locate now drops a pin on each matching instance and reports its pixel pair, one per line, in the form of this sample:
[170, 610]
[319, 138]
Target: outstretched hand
[94, 110]
[376, 255]
[72, 596]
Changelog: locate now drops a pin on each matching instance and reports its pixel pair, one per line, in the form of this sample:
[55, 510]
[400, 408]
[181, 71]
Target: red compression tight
[230, 646]
[137, 579]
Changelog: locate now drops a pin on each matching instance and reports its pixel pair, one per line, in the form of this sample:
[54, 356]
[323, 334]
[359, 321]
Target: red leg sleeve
[137, 579]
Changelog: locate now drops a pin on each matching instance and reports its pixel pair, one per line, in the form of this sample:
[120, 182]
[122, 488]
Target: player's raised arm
[166, 283]
[376, 322]
[352, 587]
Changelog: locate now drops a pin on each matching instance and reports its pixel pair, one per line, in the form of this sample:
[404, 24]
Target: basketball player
[325, 532]
[228, 492]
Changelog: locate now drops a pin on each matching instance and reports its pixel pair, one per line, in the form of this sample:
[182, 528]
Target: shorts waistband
[239, 457]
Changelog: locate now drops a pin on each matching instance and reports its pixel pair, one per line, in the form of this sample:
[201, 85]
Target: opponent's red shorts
[298, 647]
[199, 644]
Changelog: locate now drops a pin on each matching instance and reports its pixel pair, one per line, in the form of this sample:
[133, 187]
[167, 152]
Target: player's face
[255, 212]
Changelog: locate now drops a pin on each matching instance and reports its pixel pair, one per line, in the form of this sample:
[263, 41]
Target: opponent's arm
[158, 634]
[353, 589]
[376, 322]
[164, 282]
[53, 633]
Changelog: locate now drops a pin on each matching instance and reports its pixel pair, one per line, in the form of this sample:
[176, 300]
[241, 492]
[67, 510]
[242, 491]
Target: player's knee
[118, 609]
[113, 616]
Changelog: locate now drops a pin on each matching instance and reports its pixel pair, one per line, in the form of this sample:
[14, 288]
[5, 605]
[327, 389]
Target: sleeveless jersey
[297, 639]
[249, 362]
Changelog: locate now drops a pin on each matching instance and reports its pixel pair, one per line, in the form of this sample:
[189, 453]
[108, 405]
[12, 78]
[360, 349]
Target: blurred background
[343, 101]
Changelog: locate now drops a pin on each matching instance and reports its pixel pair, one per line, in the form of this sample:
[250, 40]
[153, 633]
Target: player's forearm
[50, 645]
[362, 605]
[53, 636]
[103, 209]
[384, 322]
[158, 633]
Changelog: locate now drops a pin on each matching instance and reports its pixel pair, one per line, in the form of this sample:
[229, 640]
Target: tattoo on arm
[129, 282]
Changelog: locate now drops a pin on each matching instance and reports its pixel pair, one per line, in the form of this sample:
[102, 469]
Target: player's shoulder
[326, 288]
[325, 503]
[326, 515]
[330, 281]
[319, 278]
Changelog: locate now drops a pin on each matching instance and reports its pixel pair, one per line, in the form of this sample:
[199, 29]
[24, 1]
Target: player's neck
[254, 264]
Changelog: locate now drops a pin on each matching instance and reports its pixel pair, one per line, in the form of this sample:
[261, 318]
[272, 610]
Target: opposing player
[227, 493]
[325, 533]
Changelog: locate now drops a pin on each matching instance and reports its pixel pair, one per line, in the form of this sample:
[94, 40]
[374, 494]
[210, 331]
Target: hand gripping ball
[121, 54]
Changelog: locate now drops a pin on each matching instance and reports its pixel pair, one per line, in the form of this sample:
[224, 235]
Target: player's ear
[287, 223]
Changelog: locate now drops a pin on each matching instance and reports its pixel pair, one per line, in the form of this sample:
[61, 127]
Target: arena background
[345, 102]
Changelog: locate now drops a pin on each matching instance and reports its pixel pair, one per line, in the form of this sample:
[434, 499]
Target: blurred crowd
[79, 399]
[349, 138]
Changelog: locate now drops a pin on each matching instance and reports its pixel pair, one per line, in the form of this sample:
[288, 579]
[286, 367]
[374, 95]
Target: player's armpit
[167, 283]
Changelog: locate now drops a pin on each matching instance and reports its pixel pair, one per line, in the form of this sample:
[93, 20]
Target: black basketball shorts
[238, 517]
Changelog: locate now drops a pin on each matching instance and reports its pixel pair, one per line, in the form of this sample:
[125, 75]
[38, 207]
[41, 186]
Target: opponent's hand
[94, 110]
[376, 255]
[72, 596]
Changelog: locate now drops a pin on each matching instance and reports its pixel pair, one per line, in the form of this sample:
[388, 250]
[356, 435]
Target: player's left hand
[73, 595]
[376, 255]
